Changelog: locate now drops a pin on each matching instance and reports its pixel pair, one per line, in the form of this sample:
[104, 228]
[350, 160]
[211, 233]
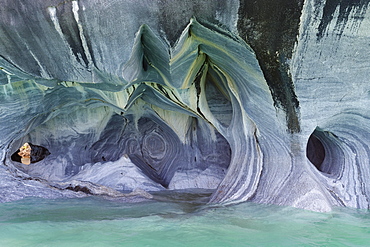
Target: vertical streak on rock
[271, 28]
[345, 8]
[67, 24]
[84, 44]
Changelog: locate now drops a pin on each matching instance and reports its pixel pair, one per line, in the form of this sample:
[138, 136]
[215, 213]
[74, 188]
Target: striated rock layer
[134, 97]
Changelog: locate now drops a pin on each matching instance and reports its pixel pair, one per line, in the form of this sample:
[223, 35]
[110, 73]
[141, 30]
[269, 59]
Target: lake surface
[101, 222]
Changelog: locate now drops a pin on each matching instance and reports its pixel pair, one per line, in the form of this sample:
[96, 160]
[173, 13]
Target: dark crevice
[145, 64]
[197, 83]
[271, 29]
[79, 188]
[164, 92]
[315, 151]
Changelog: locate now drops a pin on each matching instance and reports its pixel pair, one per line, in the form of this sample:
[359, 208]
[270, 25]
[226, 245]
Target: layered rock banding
[151, 101]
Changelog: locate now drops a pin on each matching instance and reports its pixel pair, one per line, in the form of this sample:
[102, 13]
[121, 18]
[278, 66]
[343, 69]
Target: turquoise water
[100, 222]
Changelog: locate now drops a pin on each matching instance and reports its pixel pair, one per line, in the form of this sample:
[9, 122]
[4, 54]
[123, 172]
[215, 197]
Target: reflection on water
[175, 219]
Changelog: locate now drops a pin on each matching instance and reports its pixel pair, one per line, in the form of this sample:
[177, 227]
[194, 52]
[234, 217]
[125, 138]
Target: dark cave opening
[36, 154]
[315, 151]
[325, 151]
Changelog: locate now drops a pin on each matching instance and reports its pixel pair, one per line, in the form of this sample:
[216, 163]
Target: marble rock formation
[262, 101]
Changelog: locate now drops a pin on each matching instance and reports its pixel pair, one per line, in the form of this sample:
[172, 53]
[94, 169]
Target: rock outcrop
[260, 102]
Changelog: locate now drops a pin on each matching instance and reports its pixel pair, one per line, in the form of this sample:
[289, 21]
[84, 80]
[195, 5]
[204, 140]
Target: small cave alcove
[315, 151]
[325, 151]
[30, 153]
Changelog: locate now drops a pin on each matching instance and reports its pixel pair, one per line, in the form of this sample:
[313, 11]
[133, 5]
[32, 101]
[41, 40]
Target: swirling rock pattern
[148, 100]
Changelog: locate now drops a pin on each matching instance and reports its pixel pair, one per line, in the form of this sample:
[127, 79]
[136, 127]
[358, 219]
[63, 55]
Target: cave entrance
[315, 151]
[325, 151]
[29, 153]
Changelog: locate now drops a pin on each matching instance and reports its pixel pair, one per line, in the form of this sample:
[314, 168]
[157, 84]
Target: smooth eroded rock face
[153, 96]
